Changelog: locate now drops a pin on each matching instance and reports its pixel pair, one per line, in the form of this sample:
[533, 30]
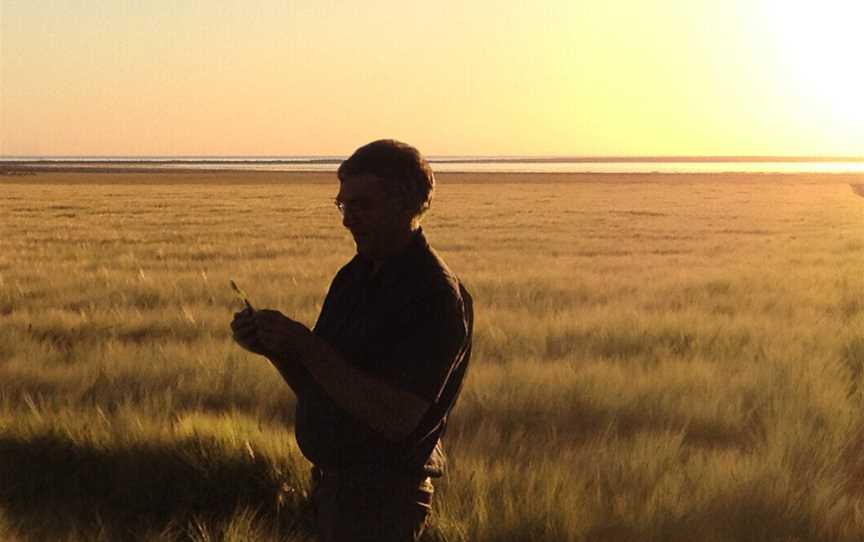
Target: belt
[419, 485]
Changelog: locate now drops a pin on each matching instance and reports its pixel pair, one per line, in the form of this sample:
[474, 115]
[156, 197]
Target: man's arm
[386, 409]
[292, 372]
[392, 412]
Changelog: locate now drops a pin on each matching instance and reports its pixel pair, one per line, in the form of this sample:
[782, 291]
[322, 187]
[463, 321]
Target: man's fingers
[256, 331]
[244, 315]
[275, 322]
[262, 321]
[245, 334]
[266, 325]
[242, 329]
[266, 337]
[266, 329]
[242, 322]
[249, 340]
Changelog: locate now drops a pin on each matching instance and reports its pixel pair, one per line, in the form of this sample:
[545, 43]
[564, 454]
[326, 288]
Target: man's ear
[410, 217]
[405, 208]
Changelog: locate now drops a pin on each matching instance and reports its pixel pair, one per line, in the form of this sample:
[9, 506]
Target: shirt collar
[392, 269]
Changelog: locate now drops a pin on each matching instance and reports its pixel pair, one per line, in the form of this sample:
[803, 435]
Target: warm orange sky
[563, 77]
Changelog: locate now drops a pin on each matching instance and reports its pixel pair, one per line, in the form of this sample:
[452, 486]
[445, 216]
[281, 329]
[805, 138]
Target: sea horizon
[444, 158]
[465, 163]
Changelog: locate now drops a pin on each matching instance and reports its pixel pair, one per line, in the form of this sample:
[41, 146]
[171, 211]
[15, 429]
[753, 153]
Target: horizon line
[551, 158]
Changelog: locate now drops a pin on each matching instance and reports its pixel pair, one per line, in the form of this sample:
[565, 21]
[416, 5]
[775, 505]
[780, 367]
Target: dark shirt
[409, 325]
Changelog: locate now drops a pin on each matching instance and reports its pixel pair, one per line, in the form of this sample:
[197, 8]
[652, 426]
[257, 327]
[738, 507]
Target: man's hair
[402, 169]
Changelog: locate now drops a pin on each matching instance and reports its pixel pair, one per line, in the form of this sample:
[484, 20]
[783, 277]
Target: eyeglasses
[361, 206]
[355, 206]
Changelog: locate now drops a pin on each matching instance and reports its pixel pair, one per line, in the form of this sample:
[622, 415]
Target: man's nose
[349, 220]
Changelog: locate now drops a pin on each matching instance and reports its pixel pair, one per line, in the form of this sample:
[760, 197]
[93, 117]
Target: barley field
[657, 357]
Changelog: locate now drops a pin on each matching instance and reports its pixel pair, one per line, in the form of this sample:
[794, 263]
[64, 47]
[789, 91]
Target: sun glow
[564, 77]
[818, 49]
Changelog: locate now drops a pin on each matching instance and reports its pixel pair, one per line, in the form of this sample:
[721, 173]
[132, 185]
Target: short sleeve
[432, 341]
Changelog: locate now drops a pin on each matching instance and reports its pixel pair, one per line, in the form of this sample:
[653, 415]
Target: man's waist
[369, 476]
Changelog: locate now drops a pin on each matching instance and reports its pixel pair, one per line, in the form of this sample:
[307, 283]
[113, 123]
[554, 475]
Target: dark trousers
[379, 507]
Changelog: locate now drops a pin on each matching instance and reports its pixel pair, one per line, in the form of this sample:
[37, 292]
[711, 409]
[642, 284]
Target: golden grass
[657, 357]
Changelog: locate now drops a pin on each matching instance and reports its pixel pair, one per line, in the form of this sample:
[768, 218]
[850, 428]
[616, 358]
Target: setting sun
[817, 48]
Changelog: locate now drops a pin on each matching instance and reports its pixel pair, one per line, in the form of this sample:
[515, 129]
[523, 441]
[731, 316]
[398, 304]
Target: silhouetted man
[377, 377]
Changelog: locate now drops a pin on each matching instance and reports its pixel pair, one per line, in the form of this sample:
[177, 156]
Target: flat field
[657, 357]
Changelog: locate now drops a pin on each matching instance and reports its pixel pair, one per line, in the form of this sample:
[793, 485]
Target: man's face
[375, 218]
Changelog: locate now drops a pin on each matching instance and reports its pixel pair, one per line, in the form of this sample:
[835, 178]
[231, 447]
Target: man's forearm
[292, 372]
[389, 411]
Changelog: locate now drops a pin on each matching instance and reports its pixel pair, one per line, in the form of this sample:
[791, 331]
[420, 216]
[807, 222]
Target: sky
[485, 77]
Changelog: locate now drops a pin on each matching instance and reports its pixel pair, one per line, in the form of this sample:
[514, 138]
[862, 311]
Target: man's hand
[278, 338]
[282, 336]
[246, 332]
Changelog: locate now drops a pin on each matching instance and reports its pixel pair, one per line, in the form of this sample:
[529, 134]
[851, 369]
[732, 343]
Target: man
[378, 376]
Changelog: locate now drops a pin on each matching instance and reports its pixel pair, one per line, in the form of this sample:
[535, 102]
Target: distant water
[507, 164]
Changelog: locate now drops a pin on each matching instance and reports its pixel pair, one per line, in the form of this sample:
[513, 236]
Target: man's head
[385, 187]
